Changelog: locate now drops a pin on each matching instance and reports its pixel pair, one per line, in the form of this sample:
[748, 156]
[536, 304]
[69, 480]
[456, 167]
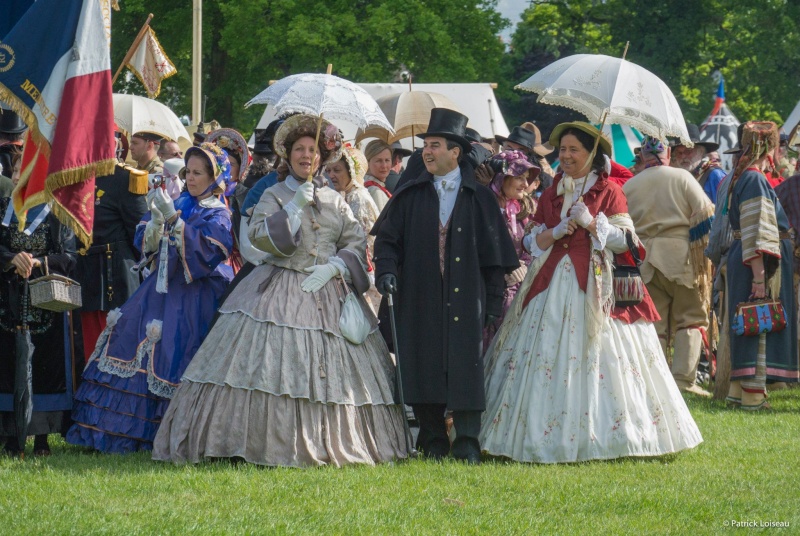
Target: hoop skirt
[276, 384]
[553, 398]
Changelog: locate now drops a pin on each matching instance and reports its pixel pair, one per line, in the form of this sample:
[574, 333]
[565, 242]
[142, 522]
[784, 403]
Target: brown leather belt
[783, 235]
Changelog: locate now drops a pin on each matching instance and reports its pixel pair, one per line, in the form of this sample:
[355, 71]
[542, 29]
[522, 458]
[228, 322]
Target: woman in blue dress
[148, 342]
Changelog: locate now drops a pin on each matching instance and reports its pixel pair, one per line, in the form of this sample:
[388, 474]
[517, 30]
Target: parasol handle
[25, 305]
[592, 154]
[316, 140]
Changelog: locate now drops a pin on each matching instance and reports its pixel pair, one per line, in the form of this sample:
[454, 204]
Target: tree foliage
[754, 44]
[247, 44]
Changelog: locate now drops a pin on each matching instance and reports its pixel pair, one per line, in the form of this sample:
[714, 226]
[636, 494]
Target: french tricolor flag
[55, 71]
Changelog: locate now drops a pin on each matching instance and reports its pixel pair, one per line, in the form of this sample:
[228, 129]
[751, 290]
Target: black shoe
[11, 448]
[436, 449]
[40, 446]
[467, 449]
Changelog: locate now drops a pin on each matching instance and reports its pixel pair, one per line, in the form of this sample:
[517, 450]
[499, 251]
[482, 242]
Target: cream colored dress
[275, 382]
[366, 213]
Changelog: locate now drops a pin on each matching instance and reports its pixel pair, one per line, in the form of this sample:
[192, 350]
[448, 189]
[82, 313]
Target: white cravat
[447, 190]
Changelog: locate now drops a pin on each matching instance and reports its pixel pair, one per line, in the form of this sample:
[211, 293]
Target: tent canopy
[476, 101]
[793, 119]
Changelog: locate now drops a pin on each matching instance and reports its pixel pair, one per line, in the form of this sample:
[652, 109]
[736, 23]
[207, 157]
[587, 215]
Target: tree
[247, 44]
[752, 43]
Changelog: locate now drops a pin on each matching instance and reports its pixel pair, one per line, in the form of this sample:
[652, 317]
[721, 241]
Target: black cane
[412, 452]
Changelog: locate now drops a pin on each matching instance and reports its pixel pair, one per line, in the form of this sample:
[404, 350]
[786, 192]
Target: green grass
[746, 470]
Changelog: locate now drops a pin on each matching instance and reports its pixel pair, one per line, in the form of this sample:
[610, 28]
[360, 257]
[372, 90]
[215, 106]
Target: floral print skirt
[553, 398]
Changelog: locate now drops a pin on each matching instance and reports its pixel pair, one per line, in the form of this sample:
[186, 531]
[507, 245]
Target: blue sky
[511, 9]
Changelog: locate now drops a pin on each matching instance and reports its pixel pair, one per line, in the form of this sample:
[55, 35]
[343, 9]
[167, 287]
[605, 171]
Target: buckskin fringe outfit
[568, 379]
[275, 382]
[149, 341]
[760, 227]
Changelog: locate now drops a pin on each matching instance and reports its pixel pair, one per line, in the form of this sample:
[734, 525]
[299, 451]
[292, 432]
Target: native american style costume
[760, 228]
[673, 217]
[569, 377]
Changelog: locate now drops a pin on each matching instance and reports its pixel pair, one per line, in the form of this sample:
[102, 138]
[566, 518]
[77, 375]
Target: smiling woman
[596, 383]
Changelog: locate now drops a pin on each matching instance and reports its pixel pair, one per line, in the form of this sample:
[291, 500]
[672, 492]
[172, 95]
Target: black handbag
[628, 284]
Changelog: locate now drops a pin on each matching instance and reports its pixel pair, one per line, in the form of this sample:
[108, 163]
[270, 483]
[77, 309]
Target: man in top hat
[12, 129]
[398, 154]
[144, 151]
[693, 159]
[672, 217]
[443, 248]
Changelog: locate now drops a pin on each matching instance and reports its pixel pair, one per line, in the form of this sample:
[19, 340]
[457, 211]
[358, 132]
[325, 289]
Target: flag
[150, 64]
[720, 127]
[56, 74]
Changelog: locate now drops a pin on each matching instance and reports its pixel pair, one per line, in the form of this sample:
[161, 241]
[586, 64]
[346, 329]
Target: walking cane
[412, 452]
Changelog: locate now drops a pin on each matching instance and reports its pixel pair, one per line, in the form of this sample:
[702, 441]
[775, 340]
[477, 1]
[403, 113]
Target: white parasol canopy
[625, 93]
[409, 112]
[133, 113]
[323, 95]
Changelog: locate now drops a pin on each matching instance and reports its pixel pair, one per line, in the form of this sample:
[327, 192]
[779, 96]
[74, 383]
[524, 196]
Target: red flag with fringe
[55, 72]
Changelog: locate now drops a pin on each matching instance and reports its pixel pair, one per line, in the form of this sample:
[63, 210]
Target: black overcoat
[109, 260]
[440, 318]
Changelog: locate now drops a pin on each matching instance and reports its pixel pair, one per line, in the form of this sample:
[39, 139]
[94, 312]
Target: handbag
[628, 284]
[755, 317]
[353, 324]
[55, 292]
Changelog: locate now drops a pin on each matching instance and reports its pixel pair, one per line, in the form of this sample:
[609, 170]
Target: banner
[150, 64]
[55, 72]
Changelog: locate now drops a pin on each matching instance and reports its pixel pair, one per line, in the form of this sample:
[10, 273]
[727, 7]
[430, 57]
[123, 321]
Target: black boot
[40, 446]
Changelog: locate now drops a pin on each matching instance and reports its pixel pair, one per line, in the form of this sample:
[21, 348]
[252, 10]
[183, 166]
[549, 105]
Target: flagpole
[197, 61]
[131, 50]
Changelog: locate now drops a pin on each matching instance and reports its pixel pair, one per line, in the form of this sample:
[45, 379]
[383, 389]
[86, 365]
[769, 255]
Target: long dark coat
[117, 212]
[440, 318]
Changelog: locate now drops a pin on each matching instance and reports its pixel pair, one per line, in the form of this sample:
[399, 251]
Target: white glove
[320, 275]
[151, 195]
[516, 276]
[580, 213]
[302, 197]
[163, 203]
[560, 230]
[294, 208]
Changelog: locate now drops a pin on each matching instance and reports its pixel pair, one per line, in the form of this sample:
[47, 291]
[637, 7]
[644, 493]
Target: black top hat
[10, 121]
[473, 135]
[397, 148]
[450, 125]
[694, 137]
[262, 145]
[532, 140]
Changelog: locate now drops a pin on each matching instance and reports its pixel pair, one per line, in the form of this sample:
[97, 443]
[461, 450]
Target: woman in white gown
[569, 376]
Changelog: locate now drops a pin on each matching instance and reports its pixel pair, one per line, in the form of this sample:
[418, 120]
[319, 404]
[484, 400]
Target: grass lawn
[748, 469]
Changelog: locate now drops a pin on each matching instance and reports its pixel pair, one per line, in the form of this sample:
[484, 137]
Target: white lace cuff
[529, 241]
[152, 234]
[341, 266]
[602, 230]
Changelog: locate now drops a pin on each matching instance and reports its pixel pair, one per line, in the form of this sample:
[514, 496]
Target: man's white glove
[560, 230]
[516, 276]
[163, 202]
[580, 213]
[320, 275]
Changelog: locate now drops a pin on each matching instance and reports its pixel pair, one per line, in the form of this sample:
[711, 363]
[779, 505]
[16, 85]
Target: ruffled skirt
[551, 398]
[276, 384]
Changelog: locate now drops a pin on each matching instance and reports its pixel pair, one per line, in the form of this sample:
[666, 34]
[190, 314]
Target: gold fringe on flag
[27, 116]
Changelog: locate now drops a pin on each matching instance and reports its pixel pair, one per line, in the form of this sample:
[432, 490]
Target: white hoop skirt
[275, 383]
[548, 401]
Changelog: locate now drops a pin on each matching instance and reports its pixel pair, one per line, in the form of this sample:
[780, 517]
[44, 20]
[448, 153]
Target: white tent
[793, 119]
[476, 101]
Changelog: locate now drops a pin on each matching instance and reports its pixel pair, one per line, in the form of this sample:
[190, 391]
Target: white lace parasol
[324, 94]
[594, 84]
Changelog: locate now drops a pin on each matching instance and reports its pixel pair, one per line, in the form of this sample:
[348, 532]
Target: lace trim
[101, 347]
[603, 228]
[529, 242]
[126, 369]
